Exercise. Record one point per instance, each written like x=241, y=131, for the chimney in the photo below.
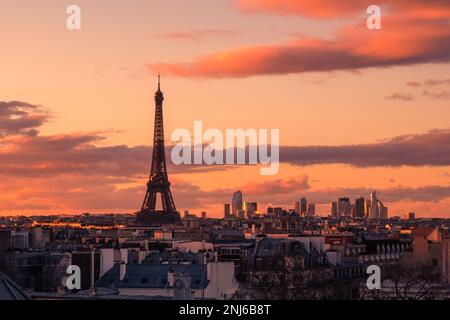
x=123, y=270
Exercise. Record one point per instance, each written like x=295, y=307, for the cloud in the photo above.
x=437, y=82
x=352, y=47
x=413, y=84
x=325, y=9
x=430, y=83
x=400, y=96
x=428, y=149
x=74, y=172
x=21, y=118
x=442, y=95
x=196, y=35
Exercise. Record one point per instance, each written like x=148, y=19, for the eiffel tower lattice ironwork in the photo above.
x=158, y=183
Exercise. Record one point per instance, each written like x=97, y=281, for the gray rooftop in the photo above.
x=153, y=276
x=9, y=290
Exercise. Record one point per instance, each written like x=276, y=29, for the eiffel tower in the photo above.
x=158, y=183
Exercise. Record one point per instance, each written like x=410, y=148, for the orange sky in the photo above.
x=356, y=109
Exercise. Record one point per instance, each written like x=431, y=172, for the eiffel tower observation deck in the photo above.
x=158, y=185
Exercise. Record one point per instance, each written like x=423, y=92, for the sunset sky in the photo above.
x=357, y=109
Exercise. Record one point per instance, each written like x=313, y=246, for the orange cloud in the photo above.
x=407, y=37
x=326, y=9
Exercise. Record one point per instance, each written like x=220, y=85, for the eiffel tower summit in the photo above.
x=158, y=182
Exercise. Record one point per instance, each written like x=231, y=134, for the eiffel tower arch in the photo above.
x=158, y=185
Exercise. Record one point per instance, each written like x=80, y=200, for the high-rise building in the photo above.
x=236, y=203
x=226, y=210
x=203, y=215
x=359, y=208
x=410, y=216
x=297, y=207
x=344, y=207
x=367, y=205
x=384, y=213
x=311, y=210
x=303, y=206
x=377, y=210
x=250, y=208
x=333, y=209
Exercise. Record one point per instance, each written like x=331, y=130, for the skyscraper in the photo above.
x=236, y=203
x=303, y=206
x=311, y=210
x=250, y=208
x=333, y=209
x=226, y=210
x=344, y=207
x=297, y=207
x=359, y=208
x=377, y=210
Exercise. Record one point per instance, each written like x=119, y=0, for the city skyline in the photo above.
x=76, y=123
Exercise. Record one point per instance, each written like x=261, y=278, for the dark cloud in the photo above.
x=21, y=118
x=437, y=82
x=442, y=95
x=428, y=149
x=413, y=84
x=400, y=96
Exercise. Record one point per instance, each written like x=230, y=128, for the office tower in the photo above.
x=236, y=203
x=255, y=206
x=344, y=207
x=367, y=205
x=278, y=211
x=384, y=212
x=297, y=207
x=311, y=210
x=359, y=208
x=203, y=215
x=410, y=216
x=303, y=206
x=333, y=209
x=241, y=214
x=377, y=210
x=226, y=210
x=250, y=208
